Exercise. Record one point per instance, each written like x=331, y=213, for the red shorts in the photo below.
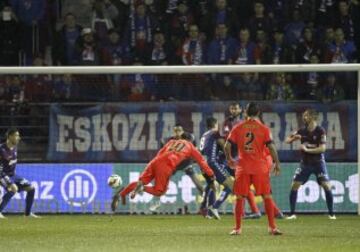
x=244, y=181
x=160, y=172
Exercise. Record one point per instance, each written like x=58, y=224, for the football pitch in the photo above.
x=175, y=233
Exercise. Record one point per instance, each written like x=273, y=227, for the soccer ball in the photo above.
x=114, y=181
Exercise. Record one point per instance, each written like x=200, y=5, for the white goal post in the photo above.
x=200, y=69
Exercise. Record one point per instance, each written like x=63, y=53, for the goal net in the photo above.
x=79, y=125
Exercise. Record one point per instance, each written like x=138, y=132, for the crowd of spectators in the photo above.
x=178, y=32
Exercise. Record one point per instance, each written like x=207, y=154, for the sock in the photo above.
x=329, y=201
x=128, y=189
x=293, y=198
x=5, y=200
x=29, y=201
x=211, y=197
x=204, y=202
x=153, y=191
x=269, y=209
x=276, y=209
x=239, y=209
x=251, y=200
x=223, y=196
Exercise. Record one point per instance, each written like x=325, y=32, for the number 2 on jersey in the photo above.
x=248, y=144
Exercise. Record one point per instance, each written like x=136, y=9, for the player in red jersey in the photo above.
x=162, y=167
x=251, y=138
x=231, y=121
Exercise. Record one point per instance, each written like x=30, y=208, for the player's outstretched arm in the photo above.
x=195, y=154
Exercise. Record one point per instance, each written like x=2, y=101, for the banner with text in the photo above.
x=132, y=132
x=65, y=188
x=82, y=188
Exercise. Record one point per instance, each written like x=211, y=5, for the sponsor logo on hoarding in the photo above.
x=78, y=187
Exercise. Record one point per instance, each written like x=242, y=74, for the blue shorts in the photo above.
x=20, y=182
x=220, y=170
x=303, y=173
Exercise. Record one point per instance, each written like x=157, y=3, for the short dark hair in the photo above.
x=188, y=137
x=10, y=132
x=210, y=122
x=233, y=104
x=252, y=109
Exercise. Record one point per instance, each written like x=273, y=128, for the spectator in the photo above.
x=345, y=20
x=281, y=53
x=341, y=51
x=201, y=8
x=102, y=19
x=140, y=87
x=325, y=12
x=277, y=12
x=245, y=49
x=10, y=38
x=306, y=47
x=328, y=37
x=293, y=29
x=280, y=90
x=4, y=92
x=64, y=88
x=259, y=21
x=82, y=9
x=115, y=51
x=180, y=23
x=306, y=8
x=160, y=52
x=262, y=51
x=31, y=15
x=308, y=82
x=140, y=28
x=249, y=87
x=16, y=89
x=330, y=91
x=244, y=10
x=192, y=51
x=87, y=48
x=221, y=48
x=221, y=14
x=64, y=50
x=38, y=86
x=223, y=88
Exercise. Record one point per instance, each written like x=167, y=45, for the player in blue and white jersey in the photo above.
x=211, y=147
x=9, y=180
x=313, y=147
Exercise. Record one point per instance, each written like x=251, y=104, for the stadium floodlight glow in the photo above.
x=88, y=70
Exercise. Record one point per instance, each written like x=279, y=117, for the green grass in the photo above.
x=175, y=233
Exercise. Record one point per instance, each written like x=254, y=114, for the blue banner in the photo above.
x=65, y=188
x=132, y=132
